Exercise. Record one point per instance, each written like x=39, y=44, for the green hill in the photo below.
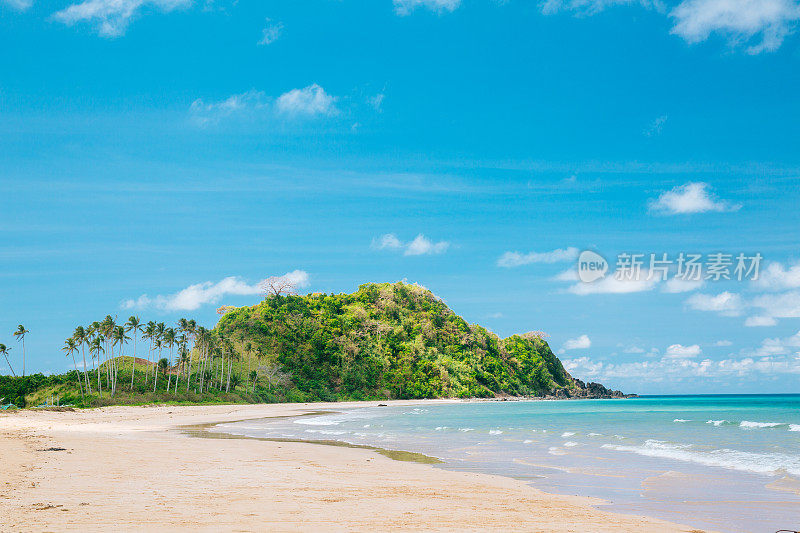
x=394, y=341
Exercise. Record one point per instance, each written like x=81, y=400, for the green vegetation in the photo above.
x=383, y=341
x=389, y=341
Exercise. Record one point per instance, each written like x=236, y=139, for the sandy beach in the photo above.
x=138, y=468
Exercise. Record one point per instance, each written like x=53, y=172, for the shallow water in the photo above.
x=728, y=463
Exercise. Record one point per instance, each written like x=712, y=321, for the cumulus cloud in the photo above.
x=776, y=277
x=578, y=343
x=271, y=32
x=112, y=17
x=208, y=292
x=724, y=303
x=309, y=101
x=723, y=342
x=515, y=259
x=679, y=351
x=690, y=198
x=421, y=245
x=760, y=25
x=405, y=7
x=786, y=305
x=778, y=346
x=759, y=321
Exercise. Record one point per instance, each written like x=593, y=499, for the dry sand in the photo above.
x=136, y=469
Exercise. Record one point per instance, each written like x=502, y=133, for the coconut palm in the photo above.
x=163, y=365
x=118, y=339
x=70, y=347
x=169, y=342
x=135, y=326
x=158, y=344
x=149, y=334
x=248, y=348
x=96, y=348
x=20, y=335
x=4, y=350
x=81, y=339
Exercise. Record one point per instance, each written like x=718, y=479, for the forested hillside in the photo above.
x=392, y=340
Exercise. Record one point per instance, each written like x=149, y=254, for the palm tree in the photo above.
x=169, y=341
x=20, y=335
x=96, y=348
x=163, y=365
x=4, y=351
x=135, y=326
x=70, y=348
x=158, y=344
x=118, y=338
x=254, y=378
x=81, y=338
x=149, y=334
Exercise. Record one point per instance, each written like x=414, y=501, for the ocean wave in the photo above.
x=595, y=434
x=326, y=432
x=716, y=422
x=495, y=432
x=570, y=443
x=555, y=450
x=758, y=463
x=527, y=441
x=567, y=434
x=794, y=427
x=746, y=424
x=466, y=429
x=681, y=420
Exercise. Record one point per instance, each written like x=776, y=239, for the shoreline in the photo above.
x=140, y=468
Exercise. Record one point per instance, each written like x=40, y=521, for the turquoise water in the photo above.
x=728, y=463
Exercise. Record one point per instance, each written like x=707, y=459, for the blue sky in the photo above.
x=161, y=157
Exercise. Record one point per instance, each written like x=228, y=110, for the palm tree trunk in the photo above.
x=85, y=375
x=133, y=361
x=23, y=356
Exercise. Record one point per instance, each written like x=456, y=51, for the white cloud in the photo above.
x=690, y=198
x=20, y=5
x=679, y=351
x=270, y=33
x=112, y=17
x=633, y=349
x=579, y=343
x=211, y=112
x=678, y=285
x=776, y=277
x=591, y=7
x=421, y=245
x=724, y=303
x=612, y=285
x=405, y=7
x=760, y=24
x=786, y=305
x=199, y=294
x=656, y=126
x=515, y=259
x=759, y=321
x=309, y=101
x=723, y=342
x=778, y=346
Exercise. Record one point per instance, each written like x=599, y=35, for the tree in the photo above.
x=118, y=339
x=277, y=286
x=82, y=339
x=253, y=378
x=135, y=326
x=20, y=335
x=158, y=344
x=163, y=365
x=96, y=348
x=4, y=350
x=70, y=347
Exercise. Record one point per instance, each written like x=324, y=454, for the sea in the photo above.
x=726, y=463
